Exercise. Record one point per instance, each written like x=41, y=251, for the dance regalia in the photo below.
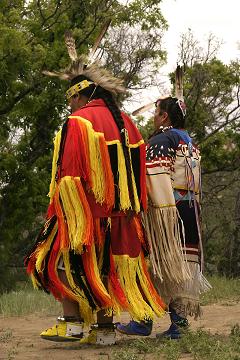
x=172, y=221
x=93, y=226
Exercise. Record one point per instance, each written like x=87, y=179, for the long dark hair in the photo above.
x=97, y=92
x=175, y=109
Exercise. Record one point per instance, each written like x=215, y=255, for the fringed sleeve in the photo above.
x=162, y=222
x=56, y=142
x=83, y=164
x=86, y=156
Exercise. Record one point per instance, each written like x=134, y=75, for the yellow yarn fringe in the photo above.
x=97, y=165
x=74, y=212
x=43, y=249
x=125, y=203
x=36, y=284
x=57, y=142
x=73, y=290
x=127, y=268
x=84, y=306
x=96, y=271
x=116, y=309
x=98, y=181
x=143, y=281
x=135, y=194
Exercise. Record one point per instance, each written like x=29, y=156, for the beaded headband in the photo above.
x=73, y=90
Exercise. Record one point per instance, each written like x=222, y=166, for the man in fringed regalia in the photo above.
x=172, y=221
x=90, y=254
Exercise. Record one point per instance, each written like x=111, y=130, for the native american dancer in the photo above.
x=172, y=221
x=90, y=254
x=174, y=185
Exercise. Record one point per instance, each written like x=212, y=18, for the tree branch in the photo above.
x=8, y=107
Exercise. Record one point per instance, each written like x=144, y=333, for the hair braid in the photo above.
x=116, y=113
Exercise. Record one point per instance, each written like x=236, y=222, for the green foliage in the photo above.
x=147, y=11
x=146, y=128
x=211, y=95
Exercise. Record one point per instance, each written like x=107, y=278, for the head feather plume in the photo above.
x=143, y=109
x=81, y=65
x=94, y=72
x=70, y=44
x=147, y=107
x=104, y=78
x=179, y=82
x=98, y=41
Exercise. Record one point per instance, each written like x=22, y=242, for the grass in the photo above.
x=223, y=290
x=199, y=345
x=27, y=301
x=5, y=335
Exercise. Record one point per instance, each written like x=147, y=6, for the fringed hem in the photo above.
x=185, y=307
x=88, y=290
x=185, y=296
x=163, y=227
x=135, y=285
x=197, y=284
x=205, y=285
x=129, y=284
x=129, y=287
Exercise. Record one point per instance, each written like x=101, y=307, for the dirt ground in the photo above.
x=19, y=336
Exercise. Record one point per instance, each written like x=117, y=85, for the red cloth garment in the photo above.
x=93, y=223
x=124, y=237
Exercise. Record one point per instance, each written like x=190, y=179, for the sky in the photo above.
x=203, y=17
x=219, y=17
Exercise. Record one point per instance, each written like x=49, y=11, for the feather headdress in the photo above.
x=179, y=83
x=88, y=67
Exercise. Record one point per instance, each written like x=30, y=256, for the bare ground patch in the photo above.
x=19, y=336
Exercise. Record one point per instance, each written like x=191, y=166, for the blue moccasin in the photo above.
x=135, y=328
